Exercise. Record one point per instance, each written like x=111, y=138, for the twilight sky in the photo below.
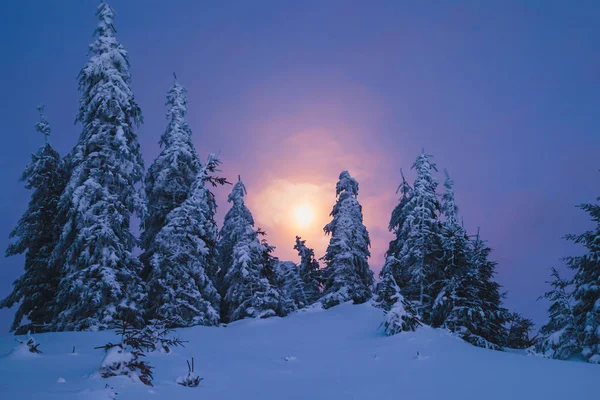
x=505, y=95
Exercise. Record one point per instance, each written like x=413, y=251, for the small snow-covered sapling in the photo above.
x=190, y=379
x=125, y=358
x=158, y=337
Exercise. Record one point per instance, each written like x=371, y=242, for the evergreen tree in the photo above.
x=586, y=295
x=487, y=318
x=181, y=283
x=454, y=274
x=392, y=271
x=399, y=213
x=400, y=317
x=99, y=273
x=556, y=336
x=246, y=290
x=347, y=273
x=36, y=235
x=309, y=271
x=285, y=289
x=420, y=245
x=290, y=286
x=170, y=177
x=235, y=224
x=519, y=332
x=471, y=301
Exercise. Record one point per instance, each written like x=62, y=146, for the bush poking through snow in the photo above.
x=400, y=319
x=125, y=358
x=190, y=379
x=110, y=392
x=30, y=344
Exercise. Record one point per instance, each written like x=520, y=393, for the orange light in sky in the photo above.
x=304, y=215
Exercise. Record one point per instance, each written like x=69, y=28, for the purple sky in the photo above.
x=505, y=95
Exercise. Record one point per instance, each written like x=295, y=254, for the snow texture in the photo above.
x=341, y=354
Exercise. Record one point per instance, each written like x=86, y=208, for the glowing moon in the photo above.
x=304, y=215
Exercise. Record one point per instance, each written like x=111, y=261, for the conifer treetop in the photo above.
x=106, y=16
x=346, y=184
x=404, y=188
x=106, y=75
x=237, y=193
x=43, y=126
x=177, y=127
x=423, y=165
x=449, y=207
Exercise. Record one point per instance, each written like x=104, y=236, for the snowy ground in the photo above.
x=338, y=354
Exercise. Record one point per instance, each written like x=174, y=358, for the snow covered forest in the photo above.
x=83, y=270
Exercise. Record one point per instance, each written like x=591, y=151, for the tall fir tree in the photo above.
x=309, y=271
x=170, y=177
x=451, y=291
x=347, y=273
x=245, y=287
x=181, y=284
x=420, y=246
x=556, y=338
x=99, y=273
x=586, y=294
x=36, y=235
x=392, y=271
x=486, y=316
x=235, y=224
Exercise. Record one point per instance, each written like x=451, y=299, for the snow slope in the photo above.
x=335, y=354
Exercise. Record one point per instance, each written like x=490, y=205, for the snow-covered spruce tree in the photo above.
x=286, y=287
x=181, y=284
x=392, y=272
x=309, y=271
x=170, y=177
x=246, y=290
x=485, y=326
x=36, y=235
x=556, y=339
x=291, y=286
x=454, y=261
x=400, y=317
x=519, y=331
x=235, y=224
x=420, y=246
x=347, y=274
x=100, y=274
x=586, y=294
